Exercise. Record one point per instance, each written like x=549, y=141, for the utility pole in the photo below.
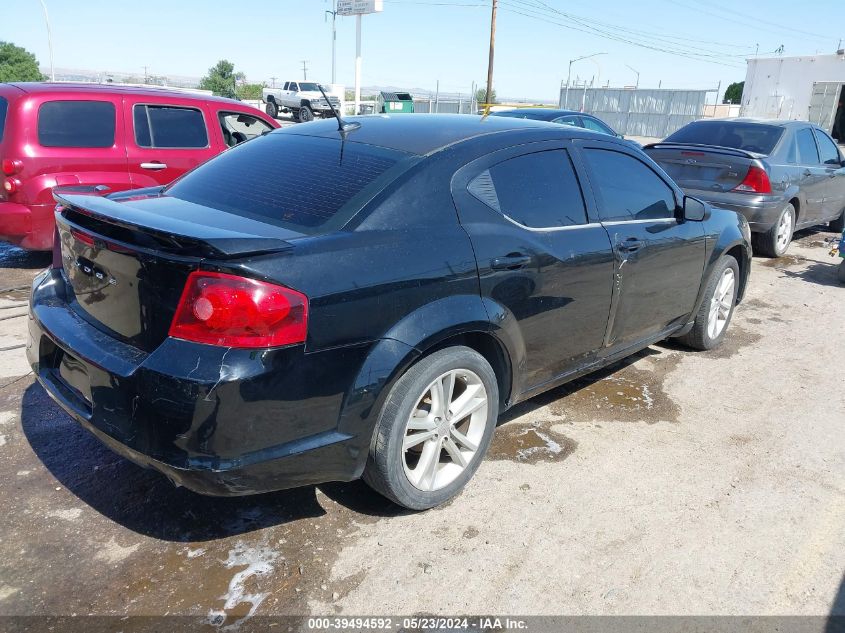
x=273, y=79
x=145, y=75
x=304, y=69
x=333, y=13
x=49, y=41
x=488, y=96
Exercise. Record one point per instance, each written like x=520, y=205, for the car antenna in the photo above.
x=342, y=126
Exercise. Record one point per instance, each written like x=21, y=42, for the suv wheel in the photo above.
x=305, y=114
x=775, y=241
x=717, y=307
x=434, y=429
x=272, y=109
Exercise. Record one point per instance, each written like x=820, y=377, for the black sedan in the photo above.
x=781, y=175
x=320, y=305
x=562, y=117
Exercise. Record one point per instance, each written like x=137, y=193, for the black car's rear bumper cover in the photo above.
x=218, y=421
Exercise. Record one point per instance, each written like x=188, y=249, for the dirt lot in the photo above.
x=676, y=483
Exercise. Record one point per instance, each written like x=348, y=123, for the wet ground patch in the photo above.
x=784, y=261
x=530, y=443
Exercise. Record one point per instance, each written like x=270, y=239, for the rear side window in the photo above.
x=169, y=127
x=4, y=106
x=629, y=189
x=808, y=153
x=595, y=126
x=76, y=124
x=828, y=150
x=538, y=190
x=751, y=137
x=308, y=184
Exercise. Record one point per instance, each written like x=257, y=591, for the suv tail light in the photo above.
x=231, y=311
x=756, y=181
x=11, y=185
x=10, y=167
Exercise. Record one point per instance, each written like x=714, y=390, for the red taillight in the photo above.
x=11, y=185
x=232, y=311
x=756, y=181
x=79, y=236
x=10, y=167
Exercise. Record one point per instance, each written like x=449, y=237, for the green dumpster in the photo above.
x=395, y=102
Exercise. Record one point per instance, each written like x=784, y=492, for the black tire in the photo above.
x=305, y=114
x=838, y=225
x=840, y=272
x=385, y=469
x=272, y=109
x=699, y=337
x=767, y=243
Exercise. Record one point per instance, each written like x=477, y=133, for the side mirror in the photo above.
x=694, y=209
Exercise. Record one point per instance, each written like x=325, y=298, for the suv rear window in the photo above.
x=751, y=137
x=4, y=106
x=304, y=183
x=76, y=124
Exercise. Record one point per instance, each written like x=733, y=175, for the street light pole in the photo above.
x=49, y=41
x=334, y=40
x=638, y=76
x=569, y=74
x=488, y=97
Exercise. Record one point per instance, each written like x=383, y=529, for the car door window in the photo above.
x=239, y=127
x=287, y=85
x=828, y=150
x=595, y=126
x=808, y=153
x=629, y=189
x=569, y=120
x=172, y=127
x=538, y=190
x=293, y=86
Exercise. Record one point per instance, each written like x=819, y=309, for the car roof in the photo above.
x=424, y=134
x=546, y=114
x=46, y=87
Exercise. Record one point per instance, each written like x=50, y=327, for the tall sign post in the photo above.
x=358, y=8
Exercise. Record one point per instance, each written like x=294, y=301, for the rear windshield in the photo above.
x=304, y=183
x=4, y=106
x=751, y=137
x=523, y=114
x=76, y=124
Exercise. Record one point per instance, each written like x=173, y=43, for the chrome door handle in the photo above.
x=155, y=166
x=513, y=261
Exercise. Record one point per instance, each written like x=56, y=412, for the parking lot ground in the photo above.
x=673, y=483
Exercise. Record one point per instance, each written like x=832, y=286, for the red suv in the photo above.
x=122, y=137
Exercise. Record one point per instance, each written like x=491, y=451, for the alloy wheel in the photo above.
x=445, y=429
x=784, y=231
x=721, y=304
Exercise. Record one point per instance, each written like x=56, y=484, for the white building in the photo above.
x=808, y=88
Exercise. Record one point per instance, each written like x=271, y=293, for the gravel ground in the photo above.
x=673, y=483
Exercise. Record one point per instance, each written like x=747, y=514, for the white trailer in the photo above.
x=808, y=88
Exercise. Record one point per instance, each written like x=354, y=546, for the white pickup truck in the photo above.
x=302, y=98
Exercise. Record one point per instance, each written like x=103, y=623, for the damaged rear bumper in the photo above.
x=219, y=421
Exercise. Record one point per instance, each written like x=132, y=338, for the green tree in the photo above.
x=222, y=79
x=17, y=64
x=250, y=91
x=733, y=94
x=481, y=96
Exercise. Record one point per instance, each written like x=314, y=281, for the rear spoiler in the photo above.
x=165, y=233
x=716, y=149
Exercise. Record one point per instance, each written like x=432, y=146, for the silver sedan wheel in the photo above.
x=784, y=232
x=721, y=304
x=445, y=429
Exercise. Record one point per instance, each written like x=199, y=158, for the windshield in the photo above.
x=4, y=105
x=523, y=114
x=308, y=184
x=751, y=137
x=308, y=86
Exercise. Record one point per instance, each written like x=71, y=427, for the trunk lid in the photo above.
x=704, y=167
x=126, y=258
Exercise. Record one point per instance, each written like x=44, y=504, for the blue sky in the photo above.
x=413, y=43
